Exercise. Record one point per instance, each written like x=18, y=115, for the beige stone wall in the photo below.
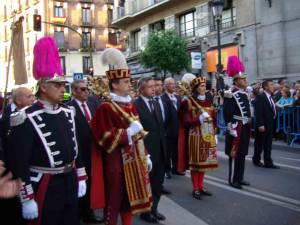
x=174, y=8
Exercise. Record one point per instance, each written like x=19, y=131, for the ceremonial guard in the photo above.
x=43, y=147
x=237, y=117
x=197, y=141
x=119, y=159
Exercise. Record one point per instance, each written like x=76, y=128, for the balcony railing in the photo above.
x=132, y=7
x=86, y=24
x=225, y=24
x=109, y=2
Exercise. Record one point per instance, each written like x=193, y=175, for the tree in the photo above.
x=165, y=52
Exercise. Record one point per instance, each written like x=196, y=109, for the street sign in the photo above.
x=78, y=76
x=196, y=60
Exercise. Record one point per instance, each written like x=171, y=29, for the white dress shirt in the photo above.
x=81, y=108
x=173, y=99
x=161, y=106
x=146, y=100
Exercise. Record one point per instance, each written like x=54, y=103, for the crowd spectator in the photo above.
x=297, y=98
x=286, y=98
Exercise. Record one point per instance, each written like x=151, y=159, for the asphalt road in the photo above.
x=272, y=199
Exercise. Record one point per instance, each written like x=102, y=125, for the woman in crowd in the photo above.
x=286, y=98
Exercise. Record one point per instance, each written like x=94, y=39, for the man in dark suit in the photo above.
x=265, y=114
x=84, y=114
x=22, y=97
x=172, y=123
x=151, y=119
x=165, y=116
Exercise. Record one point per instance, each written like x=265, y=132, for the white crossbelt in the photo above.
x=245, y=120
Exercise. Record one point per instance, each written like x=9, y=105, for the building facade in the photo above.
x=264, y=34
x=90, y=22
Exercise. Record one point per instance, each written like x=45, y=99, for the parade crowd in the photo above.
x=112, y=146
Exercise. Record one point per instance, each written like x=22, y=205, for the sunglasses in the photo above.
x=83, y=88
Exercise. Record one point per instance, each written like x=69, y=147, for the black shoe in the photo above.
x=245, y=183
x=92, y=220
x=165, y=191
x=271, y=166
x=168, y=175
x=236, y=185
x=158, y=216
x=148, y=217
x=197, y=194
x=205, y=192
x=258, y=164
x=175, y=172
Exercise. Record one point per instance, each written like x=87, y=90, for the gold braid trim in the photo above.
x=104, y=137
x=116, y=141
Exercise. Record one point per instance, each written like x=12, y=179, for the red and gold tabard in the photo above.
x=119, y=159
x=196, y=147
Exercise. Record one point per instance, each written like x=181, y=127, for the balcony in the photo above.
x=110, y=2
x=225, y=24
x=137, y=9
x=86, y=1
x=86, y=24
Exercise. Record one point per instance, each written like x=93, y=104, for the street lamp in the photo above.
x=217, y=9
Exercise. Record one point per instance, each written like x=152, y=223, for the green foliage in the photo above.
x=165, y=52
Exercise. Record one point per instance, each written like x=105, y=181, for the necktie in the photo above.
x=273, y=106
x=161, y=106
x=86, y=114
x=174, y=101
x=154, y=110
x=151, y=105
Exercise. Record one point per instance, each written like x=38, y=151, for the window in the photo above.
x=27, y=45
x=86, y=63
x=86, y=15
x=5, y=12
x=228, y=19
x=58, y=11
x=27, y=22
x=6, y=54
x=109, y=16
x=112, y=38
x=187, y=24
x=5, y=33
x=86, y=39
x=28, y=67
x=63, y=63
x=135, y=35
x=60, y=39
x=158, y=26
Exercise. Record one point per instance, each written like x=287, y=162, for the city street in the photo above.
x=272, y=199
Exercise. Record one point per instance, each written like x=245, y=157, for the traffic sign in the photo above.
x=78, y=76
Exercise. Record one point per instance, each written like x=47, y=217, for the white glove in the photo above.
x=203, y=116
x=134, y=128
x=149, y=163
x=30, y=210
x=216, y=139
x=232, y=130
x=81, y=188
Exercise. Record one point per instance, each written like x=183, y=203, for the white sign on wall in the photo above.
x=196, y=60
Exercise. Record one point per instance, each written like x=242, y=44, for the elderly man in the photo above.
x=172, y=102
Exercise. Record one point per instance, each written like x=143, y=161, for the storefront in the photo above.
x=212, y=57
